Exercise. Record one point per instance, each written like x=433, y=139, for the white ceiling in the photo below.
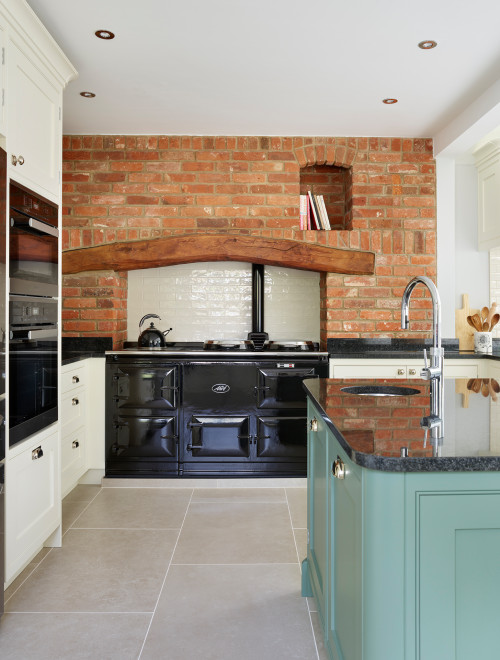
x=273, y=67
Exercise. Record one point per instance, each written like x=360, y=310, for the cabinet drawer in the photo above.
x=370, y=371
x=73, y=409
x=72, y=459
x=460, y=370
x=72, y=379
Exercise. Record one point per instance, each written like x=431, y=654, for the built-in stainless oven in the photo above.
x=33, y=244
x=32, y=365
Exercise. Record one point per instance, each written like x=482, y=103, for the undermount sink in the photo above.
x=380, y=390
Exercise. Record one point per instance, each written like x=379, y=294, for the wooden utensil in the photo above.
x=492, y=312
x=476, y=387
x=470, y=383
x=476, y=319
x=486, y=326
x=484, y=315
x=485, y=389
x=492, y=391
x=494, y=321
x=494, y=384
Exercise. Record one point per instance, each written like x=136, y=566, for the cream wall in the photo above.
x=213, y=300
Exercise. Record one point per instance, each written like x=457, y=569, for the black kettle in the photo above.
x=152, y=337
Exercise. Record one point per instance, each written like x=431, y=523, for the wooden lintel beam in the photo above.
x=192, y=248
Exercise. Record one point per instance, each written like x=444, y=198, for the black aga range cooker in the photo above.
x=222, y=408
x=211, y=412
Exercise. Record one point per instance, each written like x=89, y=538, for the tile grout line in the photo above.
x=165, y=576
x=81, y=512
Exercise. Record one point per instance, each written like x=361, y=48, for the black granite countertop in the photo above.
x=373, y=429
x=81, y=348
x=400, y=348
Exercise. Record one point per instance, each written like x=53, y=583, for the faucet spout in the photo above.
x=434, y=371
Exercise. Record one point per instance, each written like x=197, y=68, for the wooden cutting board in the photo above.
x=463, y=331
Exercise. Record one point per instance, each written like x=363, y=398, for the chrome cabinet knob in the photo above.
x=412, y=372
x=37, y=453
x=75, y=444
x=401, y=372
x=313, y=424
x=17, y=160
x=74, y=401
x=338, y=468
x=75, y=379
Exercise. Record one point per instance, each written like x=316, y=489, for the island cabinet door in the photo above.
x=318, y=513
x=458, y=575
x=345, y=625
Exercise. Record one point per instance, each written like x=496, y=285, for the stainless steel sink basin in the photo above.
x=380, y=390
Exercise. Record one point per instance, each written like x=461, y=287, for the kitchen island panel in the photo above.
x=412, y=557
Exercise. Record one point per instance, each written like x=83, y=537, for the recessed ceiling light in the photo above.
x=427, y=45
x=105, y=34
x=389, y=101
x=87, y=95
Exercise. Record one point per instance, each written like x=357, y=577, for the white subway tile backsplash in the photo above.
x=214, y=301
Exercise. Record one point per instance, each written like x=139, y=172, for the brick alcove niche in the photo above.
x=123, y=189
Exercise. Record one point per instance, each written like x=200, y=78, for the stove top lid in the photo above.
x=249, y=345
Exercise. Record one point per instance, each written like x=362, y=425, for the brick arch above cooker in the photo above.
x=192, y=248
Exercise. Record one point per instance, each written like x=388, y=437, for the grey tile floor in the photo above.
x=168, y=574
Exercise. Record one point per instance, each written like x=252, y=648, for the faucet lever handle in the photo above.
x=426, y=363
x=426, y=433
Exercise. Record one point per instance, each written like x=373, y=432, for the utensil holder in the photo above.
x=483, y=342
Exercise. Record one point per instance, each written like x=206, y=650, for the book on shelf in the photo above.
x=303, y=212
x=324, y=213
x=313, y=213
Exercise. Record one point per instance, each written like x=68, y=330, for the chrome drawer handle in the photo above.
x=75, y=379
x=313, y=424
x=37, y=453
x=75, y=444
x=338, y=468
x=74, y=401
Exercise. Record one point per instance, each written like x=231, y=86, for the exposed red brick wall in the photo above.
x=125, y=188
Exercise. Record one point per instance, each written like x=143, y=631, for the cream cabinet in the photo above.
x=32, y=499
x=73, y=420
x=34, y=74
x=399, y=368
x=487, y=160
x=34, y=125
x=82, y=423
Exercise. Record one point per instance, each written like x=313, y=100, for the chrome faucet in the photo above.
x=433, y=372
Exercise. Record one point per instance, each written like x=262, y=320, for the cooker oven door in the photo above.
x=142, y=445
x=218, y=437
x=281, y=386
x=146, y=389
x=282, y=437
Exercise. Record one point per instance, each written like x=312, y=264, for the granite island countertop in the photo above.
x=373, y=429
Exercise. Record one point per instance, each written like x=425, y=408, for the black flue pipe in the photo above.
x=257, y=298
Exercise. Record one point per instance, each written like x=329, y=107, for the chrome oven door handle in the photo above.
x=37, y=225
x=43, y=334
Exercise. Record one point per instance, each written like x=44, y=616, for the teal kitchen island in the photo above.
x=403, y=556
